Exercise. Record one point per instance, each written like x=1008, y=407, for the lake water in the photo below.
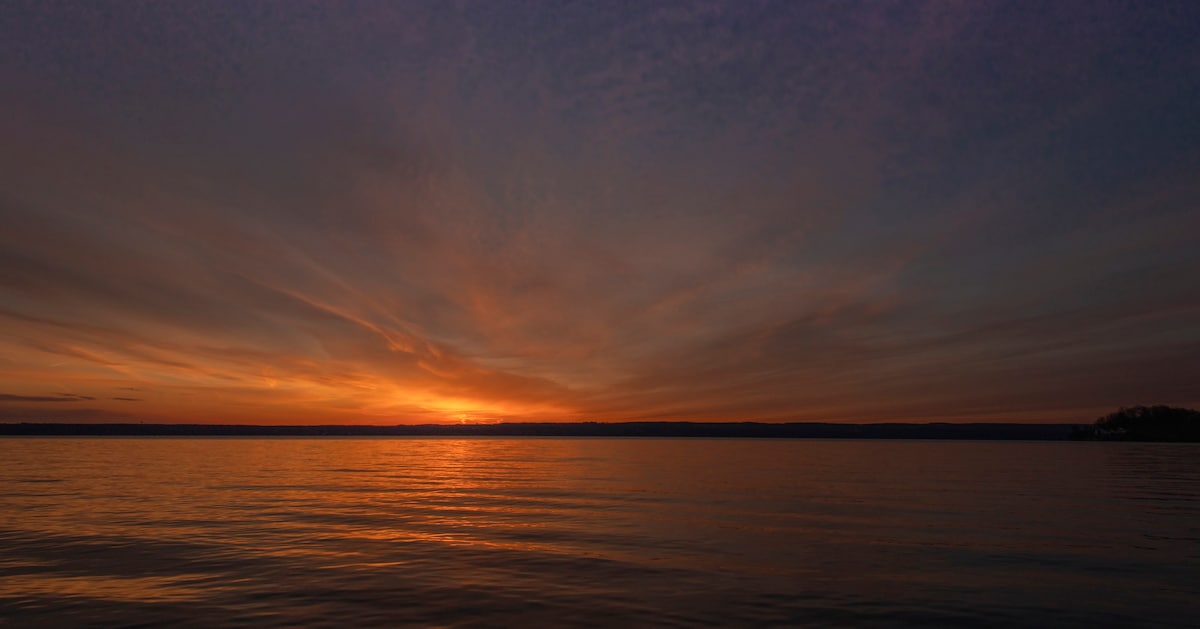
x=596, y=532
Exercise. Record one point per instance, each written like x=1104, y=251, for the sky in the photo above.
x=303, y=212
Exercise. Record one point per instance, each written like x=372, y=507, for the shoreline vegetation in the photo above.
x=1144, y=423
x=1138, y=423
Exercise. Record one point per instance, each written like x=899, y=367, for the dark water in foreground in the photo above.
x=519, y=532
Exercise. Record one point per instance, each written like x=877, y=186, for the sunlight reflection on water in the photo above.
x=360, y=532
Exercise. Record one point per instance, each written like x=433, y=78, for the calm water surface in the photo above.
x=604, y=532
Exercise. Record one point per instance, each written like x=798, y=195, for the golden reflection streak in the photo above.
x=131, y=589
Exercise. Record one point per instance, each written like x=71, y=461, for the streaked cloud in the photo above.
x=305, y=212
x=55, y=397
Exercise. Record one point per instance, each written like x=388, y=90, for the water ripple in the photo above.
x=595, y=532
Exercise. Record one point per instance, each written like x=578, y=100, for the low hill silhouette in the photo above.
x=581, y=429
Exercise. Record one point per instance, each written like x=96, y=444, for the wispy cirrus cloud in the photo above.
x=725, y=210
x=56, y=397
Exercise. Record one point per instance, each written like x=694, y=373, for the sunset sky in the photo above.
x=304, y=212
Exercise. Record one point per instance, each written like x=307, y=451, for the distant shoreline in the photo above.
x=807, y=430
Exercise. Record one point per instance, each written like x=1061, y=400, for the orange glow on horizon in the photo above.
x=713, y=212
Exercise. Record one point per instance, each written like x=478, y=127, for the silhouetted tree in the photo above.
x=1145, y=423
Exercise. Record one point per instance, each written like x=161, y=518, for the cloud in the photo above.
x=723, y=210
x=57, y=397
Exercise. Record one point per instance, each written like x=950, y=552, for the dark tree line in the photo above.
x=1144, y=423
